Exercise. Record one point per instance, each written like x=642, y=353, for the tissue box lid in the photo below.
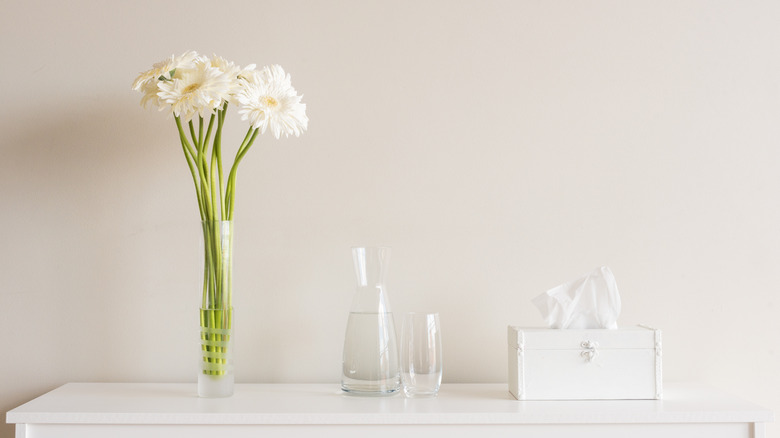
x=573, y=339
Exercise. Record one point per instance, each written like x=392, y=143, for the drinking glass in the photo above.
x=421, y=367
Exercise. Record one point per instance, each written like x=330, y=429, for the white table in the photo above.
x=120, y=410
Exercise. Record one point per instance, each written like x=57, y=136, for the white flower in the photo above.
x=199, y=90
x=232, y=70
x=147, y=81
x=269, y=100
x=150, y=90
x=224, y=65
x=246, y=71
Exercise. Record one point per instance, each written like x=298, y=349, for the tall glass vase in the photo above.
x=370, y=365
x=216, y=378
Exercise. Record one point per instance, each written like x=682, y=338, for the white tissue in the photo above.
x=590, y=302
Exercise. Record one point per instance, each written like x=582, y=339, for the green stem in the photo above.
x=217, y=149
x=215, y=197
x=208, y=130
x=200, y=130
x=203, y=171
x=194, y=137
x=189, y=155
x=231, y=184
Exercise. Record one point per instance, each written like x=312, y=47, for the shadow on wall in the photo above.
x=79, y=191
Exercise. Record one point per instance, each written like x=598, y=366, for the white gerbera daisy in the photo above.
x=246, y=71
x=199, y=90
x=268, y=99
x=150, y=90
x=224, y=65
x=147, y=81
x=232, y=70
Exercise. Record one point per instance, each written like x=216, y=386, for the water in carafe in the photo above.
x=370, y=365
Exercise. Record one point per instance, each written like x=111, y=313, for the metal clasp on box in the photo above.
x=589, y=351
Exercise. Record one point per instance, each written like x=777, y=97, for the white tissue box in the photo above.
x=596, y=364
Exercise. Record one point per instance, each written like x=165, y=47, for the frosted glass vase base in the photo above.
x=216, y=376
x=215, y=386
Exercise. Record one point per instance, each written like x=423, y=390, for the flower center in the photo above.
x=270, y=101
x=190, y=88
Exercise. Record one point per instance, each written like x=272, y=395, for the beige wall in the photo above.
x=500, y=148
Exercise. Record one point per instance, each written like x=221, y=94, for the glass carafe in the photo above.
x=370, y=365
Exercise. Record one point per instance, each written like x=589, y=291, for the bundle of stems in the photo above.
x=216, y=203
